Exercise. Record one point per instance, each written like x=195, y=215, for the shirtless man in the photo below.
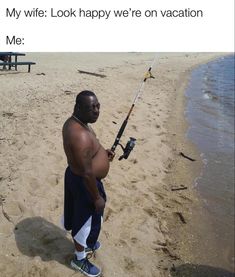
x=88, y=163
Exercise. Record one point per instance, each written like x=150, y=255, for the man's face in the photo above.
x=90, y=109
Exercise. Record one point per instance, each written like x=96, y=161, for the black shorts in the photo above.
x=79, y=212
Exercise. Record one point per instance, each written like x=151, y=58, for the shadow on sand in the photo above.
x=36, y=236
x=7, y=72
x=193, y=270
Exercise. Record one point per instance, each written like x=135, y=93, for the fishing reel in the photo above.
x=127, y=149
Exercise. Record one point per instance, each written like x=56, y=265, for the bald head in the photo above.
x=83, y=95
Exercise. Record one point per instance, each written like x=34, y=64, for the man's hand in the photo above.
x=110, y=154
x=99, y=204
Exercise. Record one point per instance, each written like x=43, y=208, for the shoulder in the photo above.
x=76, y=135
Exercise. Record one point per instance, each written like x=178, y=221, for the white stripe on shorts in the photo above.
x=83, y=233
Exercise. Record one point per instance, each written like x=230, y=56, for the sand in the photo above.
x=139, y=234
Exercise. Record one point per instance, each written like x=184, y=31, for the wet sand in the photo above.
x=142, y=231
x=212, y=224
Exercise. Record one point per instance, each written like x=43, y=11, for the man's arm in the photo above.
x=82, y=151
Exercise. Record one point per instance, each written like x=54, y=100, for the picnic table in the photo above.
x=10, y=59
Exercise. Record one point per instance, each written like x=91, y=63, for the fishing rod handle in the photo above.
x=120, y=132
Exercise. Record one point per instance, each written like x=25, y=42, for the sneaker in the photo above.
x=85, y=267
x=96, y=247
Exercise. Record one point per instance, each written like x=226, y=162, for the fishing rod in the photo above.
x=131, y=143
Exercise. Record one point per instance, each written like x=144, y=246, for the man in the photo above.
x=88, y=163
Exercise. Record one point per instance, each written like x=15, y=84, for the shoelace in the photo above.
x=86, y=265
x=91, y=254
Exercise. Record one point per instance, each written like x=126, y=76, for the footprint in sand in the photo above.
x=37, y=271
x=34, y=183
x=151, y=212
x=134, y=127
x=54, y=205
x=163, y=227
x=134, y=240
x=7, y=114
x=177, y=201
x=134, y=161
x=108, y=213
x=129, y=264
x=22, y=157
x=141, y=177
x=53, y=180
x=186, y=198
x=122, y=243
x=142, y=141
x=160, y=241
x=159, y=195
x=13, y=208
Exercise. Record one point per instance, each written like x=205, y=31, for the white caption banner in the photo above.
x=115, y=26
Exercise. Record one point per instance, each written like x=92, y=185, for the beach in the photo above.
x=145, y=220
x=210, y=113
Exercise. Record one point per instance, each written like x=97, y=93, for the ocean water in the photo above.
x=210, y=113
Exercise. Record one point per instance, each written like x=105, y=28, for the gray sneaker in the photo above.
x=86, y=267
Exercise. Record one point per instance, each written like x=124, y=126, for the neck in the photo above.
x=78, y=118
x=81, y=123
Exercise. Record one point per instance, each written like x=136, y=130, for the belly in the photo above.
x=100, y=164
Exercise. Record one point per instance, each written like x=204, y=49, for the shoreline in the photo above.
x=182, y=172
x=140, y=231
x=186, y=237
